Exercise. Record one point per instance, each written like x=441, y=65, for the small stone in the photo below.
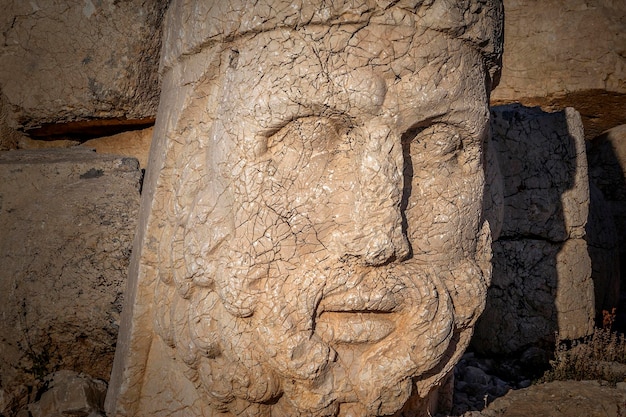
x=476, y=375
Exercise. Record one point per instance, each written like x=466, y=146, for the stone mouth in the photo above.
x=354, y=327
x=363, y=311
x=363, y=299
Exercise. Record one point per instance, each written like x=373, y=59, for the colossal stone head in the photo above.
x=314, y=243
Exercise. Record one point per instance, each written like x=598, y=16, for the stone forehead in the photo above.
x=194, y=25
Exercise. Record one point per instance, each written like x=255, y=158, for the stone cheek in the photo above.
x=312, y=242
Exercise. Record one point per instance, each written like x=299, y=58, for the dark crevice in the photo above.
x=88, y=129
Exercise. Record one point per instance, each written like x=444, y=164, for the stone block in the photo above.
x=69, y=393
x=541, y=282
x=577, y=59
x=68, y=61
x=135, y=143
x=539, y=289
x=544, y=168
x=68, y=219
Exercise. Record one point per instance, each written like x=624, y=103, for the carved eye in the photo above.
x=438, y=142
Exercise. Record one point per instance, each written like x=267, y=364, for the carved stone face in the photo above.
x=331, y=258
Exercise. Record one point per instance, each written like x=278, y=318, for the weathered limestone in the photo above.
x=9, y=138
x=541, y=266
x=311, y=240
x=78, y=62
x=567, y=53
x=67, y=218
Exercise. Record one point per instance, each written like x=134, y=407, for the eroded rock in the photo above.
x=68, y=393
x=70, y=62
x=560, y=399
x=135, y=144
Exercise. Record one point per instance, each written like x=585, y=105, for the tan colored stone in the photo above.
x=25, y=142
x=134, y=144
x=9, y=138
x=567, y=53
x=67, y=218
x=66, y=61
x=311, y=239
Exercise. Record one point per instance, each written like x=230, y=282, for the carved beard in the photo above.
x=308, y=335
x=297, y=359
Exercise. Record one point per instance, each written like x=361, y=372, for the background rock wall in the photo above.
x=541, y=282
x=67, y=219
x=566, y=53
x=80, y=67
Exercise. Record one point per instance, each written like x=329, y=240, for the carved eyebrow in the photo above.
x=275, y=121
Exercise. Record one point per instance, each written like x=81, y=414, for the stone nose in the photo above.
x=378, y=236
x=383, y=244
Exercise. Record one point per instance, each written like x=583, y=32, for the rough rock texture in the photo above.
x=311, y=239
x=607, y=169
x=567, y=53
x=602, y=238
x=560, y=399
x=67, y=219
x=75, y=61
x=9, y=137
x=68, y=393
x=133, y=143
x=480, y=380
x=541, y=266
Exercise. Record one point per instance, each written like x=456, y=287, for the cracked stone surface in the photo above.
x=68, y=219
x=311, y=241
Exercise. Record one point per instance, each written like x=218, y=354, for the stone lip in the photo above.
x=359, y=299
x=354, y=327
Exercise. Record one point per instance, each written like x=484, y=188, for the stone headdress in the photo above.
x=477, y=22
